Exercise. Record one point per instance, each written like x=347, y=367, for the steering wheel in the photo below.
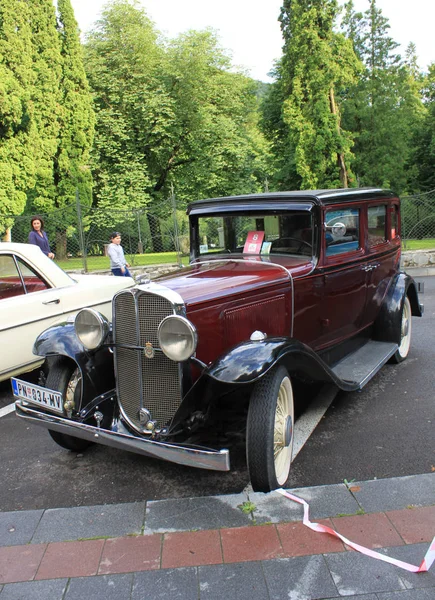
x=300, y=243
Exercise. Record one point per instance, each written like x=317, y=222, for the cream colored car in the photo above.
x=36, y=293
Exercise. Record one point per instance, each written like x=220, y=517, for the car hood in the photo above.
x=217, y=279
x=106, y=282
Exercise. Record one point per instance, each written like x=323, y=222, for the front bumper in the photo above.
x=202, y=458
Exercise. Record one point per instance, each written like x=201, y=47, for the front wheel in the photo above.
x=64, y=377
x=405, y=333
x=269, y=431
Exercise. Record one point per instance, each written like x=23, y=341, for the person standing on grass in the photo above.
x=118, y=264
x=38, y=237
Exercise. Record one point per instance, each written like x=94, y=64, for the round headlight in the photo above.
x=91, y=328
x=177, y=338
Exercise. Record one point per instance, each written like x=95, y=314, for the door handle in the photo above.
x=55, y=301
x=368, y=268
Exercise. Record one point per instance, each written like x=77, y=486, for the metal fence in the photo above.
x=418, y=218
x=77, y=231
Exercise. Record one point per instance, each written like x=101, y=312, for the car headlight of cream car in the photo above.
x=91, y=328
x=177, y=338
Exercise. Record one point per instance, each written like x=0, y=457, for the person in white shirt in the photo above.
x=118, y=264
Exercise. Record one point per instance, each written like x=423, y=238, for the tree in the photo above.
x=122, y=62
x=423, y=157
x=17, y=131
x=45, y=100
x=384, y=107
x=77, y=120
x=216, y=115
x=168, y=113
x=284, y=175
x=317, y=65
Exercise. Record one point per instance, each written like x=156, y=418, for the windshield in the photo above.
x=256, y=233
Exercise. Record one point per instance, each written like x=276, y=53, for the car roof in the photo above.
x=300, y=198
x=32, y=253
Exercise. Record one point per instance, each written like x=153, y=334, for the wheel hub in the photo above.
x=288, y=431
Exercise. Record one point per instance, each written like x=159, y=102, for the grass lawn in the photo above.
x=100, y=263
x=426, y=244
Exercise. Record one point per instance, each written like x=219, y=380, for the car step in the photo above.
x=358, y=368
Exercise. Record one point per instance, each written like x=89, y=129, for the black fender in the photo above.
x=387, y=325
x=249, y=361
x=96, y=367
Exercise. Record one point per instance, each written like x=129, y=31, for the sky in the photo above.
x=249, y=29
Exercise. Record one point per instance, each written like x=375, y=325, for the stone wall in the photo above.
x=418, y=258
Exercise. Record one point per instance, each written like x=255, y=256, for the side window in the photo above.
x=342, y=231
x=377, y=223
x=10, y=281
x=32, y=280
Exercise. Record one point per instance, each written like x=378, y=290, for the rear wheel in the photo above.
x=65, y=377
x=269, y=431
x=405, y=333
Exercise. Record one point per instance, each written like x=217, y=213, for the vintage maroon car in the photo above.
x=282, y=287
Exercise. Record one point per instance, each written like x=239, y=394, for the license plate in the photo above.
x=36, y=394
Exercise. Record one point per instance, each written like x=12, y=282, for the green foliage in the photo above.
x=169, y=113
x=17, y=130
x=45, y=99
x=384, y=108
x=122, y=62
x=175, y=114
x=72, y=169
x=46, y=110
x=422, y=159
x=317, y=65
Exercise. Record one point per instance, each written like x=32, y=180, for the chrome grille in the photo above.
x=153, y=384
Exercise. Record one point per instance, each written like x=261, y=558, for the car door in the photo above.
x=344, y=275
x=28, y=306
x=383, y=255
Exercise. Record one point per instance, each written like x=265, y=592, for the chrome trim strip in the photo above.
x=161, y=290
x=201, y=458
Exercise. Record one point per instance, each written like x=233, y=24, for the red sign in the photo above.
x=253, y=242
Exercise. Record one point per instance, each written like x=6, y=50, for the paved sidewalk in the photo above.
x=247, y=546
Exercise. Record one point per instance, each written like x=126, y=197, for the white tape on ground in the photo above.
x=424, y=566
x=7, y=409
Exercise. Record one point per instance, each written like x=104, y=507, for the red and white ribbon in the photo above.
x=425, y=565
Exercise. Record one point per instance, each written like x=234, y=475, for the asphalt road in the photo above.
x=386, y=430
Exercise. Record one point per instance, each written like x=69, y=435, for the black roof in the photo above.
x=271, y=199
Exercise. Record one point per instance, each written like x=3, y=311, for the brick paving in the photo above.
x=261, y=559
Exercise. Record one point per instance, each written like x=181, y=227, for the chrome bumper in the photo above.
x=215, y=460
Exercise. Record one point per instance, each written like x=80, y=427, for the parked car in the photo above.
x=282, y=288
x=36, y=293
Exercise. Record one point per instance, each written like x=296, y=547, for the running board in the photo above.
x=358, y=368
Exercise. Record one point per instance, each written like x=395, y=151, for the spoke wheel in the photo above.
x=269, y=431
x=65, y=378
x=405, y=333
